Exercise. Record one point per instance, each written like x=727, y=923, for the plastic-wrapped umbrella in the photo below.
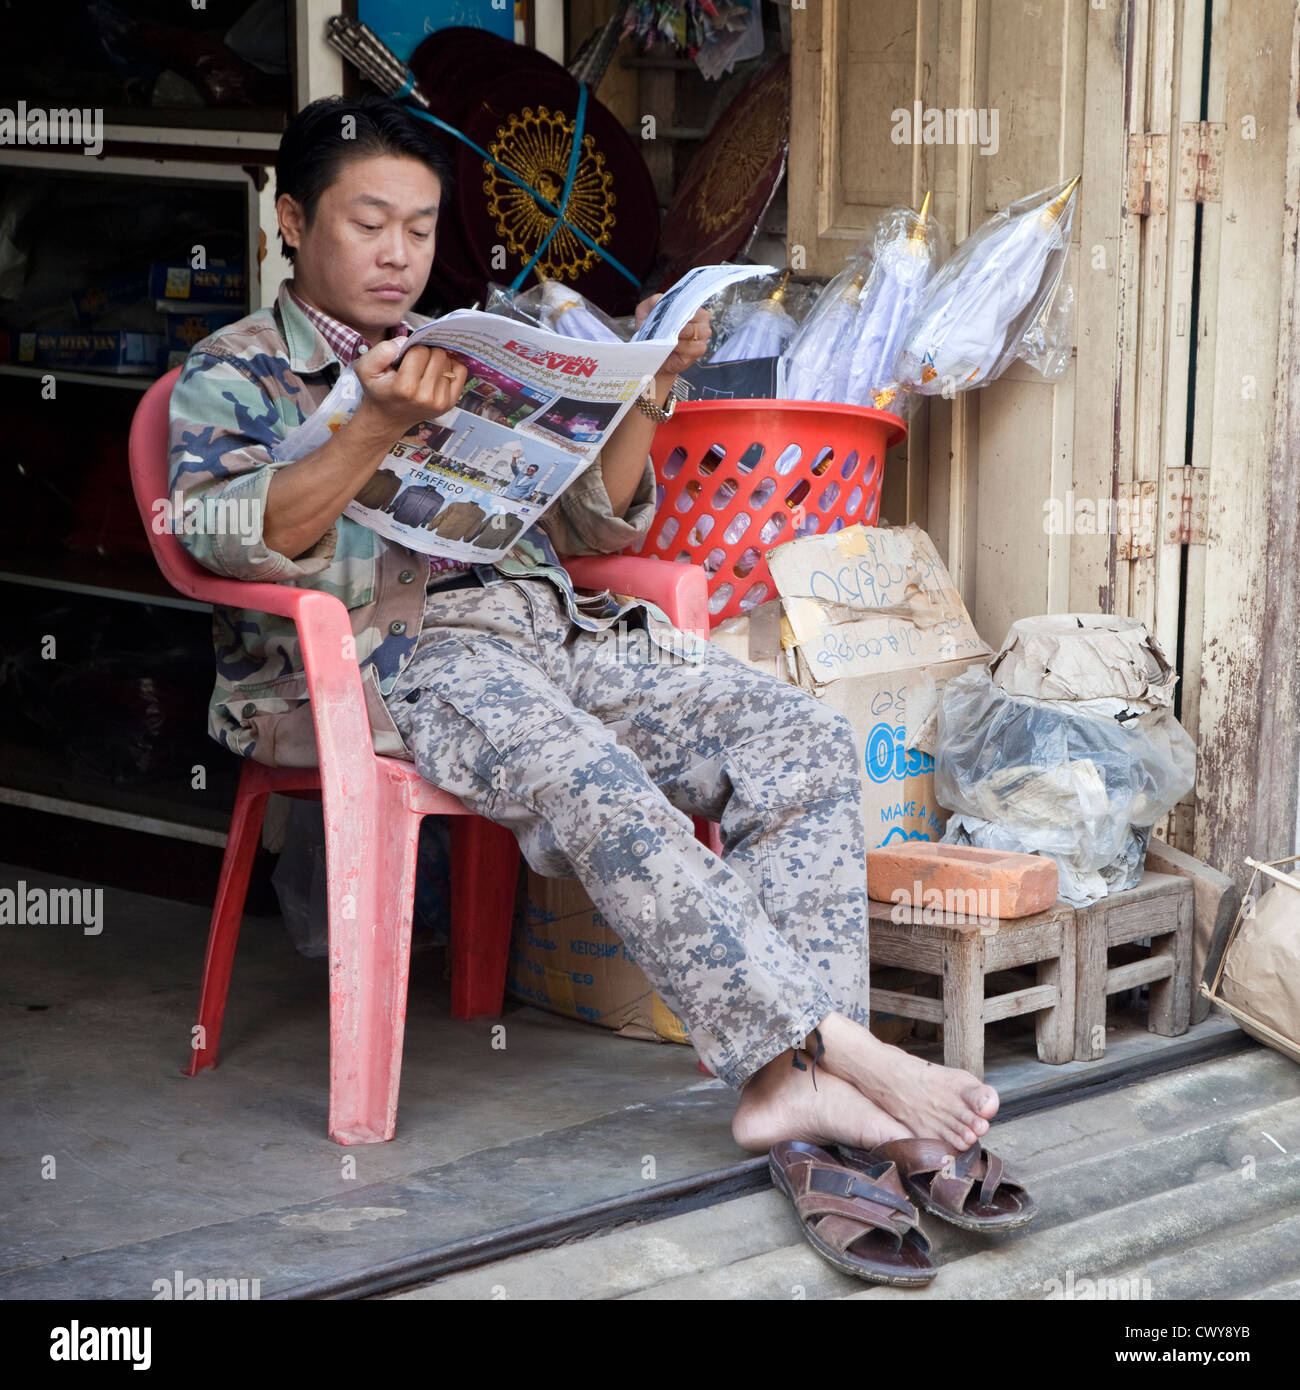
x=565, y=311
x=967, y=328
x=816, y=362
x=906, y=249
x=763, y=330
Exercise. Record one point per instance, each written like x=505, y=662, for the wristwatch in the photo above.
x=645, y=402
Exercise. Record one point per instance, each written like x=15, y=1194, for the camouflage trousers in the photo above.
x=595, y=760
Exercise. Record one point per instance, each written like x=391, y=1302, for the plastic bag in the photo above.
x=1048, y=341
x=972, y=321
x=300, y=882
x=907, y=246
x=751, y=329
x=1070, y=779
x=325, y=421
x=558, y=308
x=815, y=365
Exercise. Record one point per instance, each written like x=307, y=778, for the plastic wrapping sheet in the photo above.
x=1079, y=781
x=999, y=297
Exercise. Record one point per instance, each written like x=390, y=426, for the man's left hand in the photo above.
x=692, y=341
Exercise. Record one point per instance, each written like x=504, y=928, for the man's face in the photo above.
x=366, y=256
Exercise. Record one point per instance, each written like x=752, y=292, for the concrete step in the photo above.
x=1187, y=1180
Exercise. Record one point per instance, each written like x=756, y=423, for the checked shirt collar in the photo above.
x=347, y=343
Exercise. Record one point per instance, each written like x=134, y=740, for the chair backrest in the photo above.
x=148, y=451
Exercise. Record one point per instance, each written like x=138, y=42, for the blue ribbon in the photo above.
x=408, y=85
x=579, y=121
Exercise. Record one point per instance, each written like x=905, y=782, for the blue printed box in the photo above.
x=118, y=353
x=566, y=959
x=177, y=284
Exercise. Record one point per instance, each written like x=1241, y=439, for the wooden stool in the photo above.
x=1159, y=907
x=962, y=953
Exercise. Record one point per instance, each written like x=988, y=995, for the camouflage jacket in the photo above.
x=242, y=389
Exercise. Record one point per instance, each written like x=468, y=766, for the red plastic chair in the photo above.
x=373, y=807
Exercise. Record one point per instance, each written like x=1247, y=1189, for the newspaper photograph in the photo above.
x=536, y=410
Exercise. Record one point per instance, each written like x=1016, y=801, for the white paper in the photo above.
x=676, y=309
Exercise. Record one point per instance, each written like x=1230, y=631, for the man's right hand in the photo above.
x=425, y=384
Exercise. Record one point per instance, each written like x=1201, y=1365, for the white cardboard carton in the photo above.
x=876, y=626
x=868, y=600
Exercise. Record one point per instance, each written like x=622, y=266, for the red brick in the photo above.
x=1006, y=884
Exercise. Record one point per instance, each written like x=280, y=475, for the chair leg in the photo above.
x=370, y=856
x=709, y=833
x=485, y=868
x=227, y=914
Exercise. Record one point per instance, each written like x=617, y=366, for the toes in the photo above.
x=984, y=1101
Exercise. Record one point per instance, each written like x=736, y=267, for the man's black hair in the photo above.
x=320, y=139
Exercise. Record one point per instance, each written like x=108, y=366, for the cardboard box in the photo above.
x=177, y=285
x=111, y=294
x=898, y=801
x=567, y=959
x=875, y=627
x=868, y=600
x=117, y=352
x=896, y=629
x=869, y=622
x=183, y=330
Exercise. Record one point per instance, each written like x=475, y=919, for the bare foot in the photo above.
x=934, y=1102
x=779, y=1102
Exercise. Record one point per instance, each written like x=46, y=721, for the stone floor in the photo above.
x=118, y=1170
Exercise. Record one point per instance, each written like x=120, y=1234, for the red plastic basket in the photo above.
x=736, y=478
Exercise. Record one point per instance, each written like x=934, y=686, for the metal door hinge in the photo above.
x=1200, y=161
x=1148, y=174
x=1187, y=505
x=1135, y=529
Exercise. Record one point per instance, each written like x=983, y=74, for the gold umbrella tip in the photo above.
x=1058, y=203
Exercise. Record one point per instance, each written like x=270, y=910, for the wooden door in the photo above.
x=1178, y=412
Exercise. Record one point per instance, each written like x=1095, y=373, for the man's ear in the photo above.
x=289, y=216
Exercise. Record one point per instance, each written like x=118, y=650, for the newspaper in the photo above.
x=536, y=410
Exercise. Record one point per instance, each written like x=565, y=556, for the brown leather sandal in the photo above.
x=1000, y=1204
x=857, y=1218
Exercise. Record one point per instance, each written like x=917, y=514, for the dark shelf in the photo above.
x=131, y=579
x=48, y=773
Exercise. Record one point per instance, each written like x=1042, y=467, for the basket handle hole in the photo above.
x=672, y=465
x=825, y=458
x=751, y=458
x=711, y=459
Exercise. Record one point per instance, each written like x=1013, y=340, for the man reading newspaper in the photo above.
x=497, y=680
